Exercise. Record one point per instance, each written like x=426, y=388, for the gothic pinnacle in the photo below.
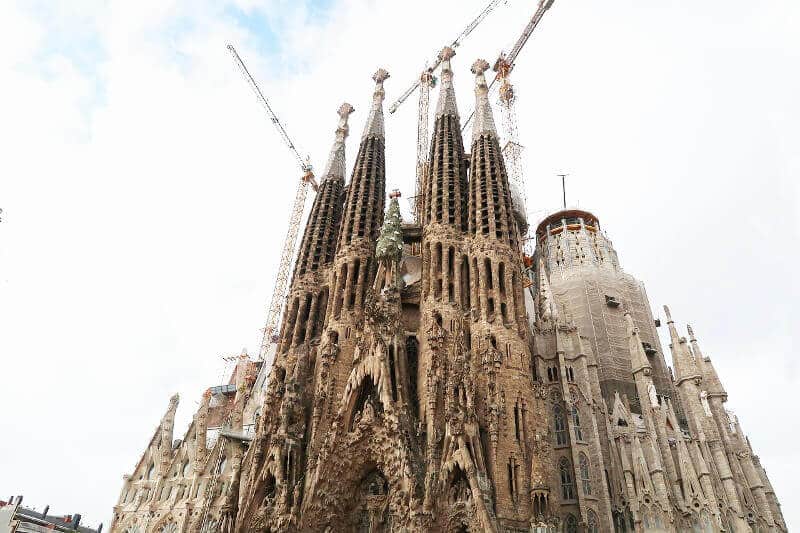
x=682, y=359
x=336, y=161
x=483, y=123
x=374, y=126
x=638, y=356
x=710, y=378
x=447, y=95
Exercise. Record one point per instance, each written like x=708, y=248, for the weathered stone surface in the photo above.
x=438, y=382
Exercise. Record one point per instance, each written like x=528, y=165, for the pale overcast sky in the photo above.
x=145, y=194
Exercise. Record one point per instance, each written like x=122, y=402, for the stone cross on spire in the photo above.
x=484, y=121
x=447, y=95
x=374, y=126
x=336, y=162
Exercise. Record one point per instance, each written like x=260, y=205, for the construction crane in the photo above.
x=424, y=82
x=289, y=242
x=512, y=150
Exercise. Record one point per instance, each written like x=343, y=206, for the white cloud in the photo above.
x=144, y=191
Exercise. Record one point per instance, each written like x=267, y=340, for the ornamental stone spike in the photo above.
x=336, y=160
x=374, y=126
x=447, y=95
x=638, y=356
x=484, y=121
x=710, y=377
x=682, y=360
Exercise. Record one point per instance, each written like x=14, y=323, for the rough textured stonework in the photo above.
x=433, y=378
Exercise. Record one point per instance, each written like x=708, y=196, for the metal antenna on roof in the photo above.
x=563, y=188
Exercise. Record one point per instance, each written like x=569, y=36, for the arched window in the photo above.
x=567, y=486
x=585, y=479
x=576, y=423
x=571, y=524
x=560, y=425
x=592, y=523
x=619, y=522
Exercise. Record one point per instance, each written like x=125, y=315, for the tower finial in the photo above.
x=484, y=121
x=374, y=126
x=669, y=315
x=336, y=162
x=447, y=95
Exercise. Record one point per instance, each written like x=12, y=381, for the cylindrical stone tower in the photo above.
x=589, y=285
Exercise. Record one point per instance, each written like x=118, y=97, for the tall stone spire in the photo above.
x=483, y=123
x=447, y=95
x=445, y=182
x=490, y=207
x=319, y=237
x=682, y=359
x=335, y=168
x=363, y=209
x=374, y=126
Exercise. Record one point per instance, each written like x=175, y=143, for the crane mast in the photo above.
x=290, y=241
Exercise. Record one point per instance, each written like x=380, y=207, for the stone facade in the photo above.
x=192, y=484
x=433, y=378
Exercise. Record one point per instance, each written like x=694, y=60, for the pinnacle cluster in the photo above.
x=431, y=377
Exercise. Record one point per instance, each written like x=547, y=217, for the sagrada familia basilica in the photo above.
x=433, y=377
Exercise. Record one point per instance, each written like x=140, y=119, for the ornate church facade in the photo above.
x=432, y=377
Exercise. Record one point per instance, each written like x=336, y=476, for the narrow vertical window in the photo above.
x=576, y=423
x=586, y=481
x=567, y=486
x=592, y=524
x=560, y=426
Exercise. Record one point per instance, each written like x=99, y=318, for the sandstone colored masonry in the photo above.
x=433, y=378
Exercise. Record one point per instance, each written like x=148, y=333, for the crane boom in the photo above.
x=289, y=243
x=265, y=103
x=544, y=5
x=505, y=62
x=455, y=44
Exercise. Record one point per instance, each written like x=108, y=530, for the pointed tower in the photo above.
x=445, y=185
x=362, y=216
x=704, y=426
x=683, y=360
x=445, y=295
x=353, y=270
x=496, y=261
x=308, y=294
x=499, y=329
x=711, y=381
